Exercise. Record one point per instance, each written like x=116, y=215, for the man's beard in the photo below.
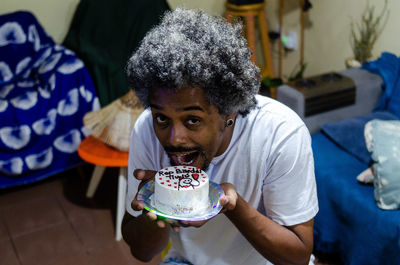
x=200, y=152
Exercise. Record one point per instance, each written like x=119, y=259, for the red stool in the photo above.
x=101, y=155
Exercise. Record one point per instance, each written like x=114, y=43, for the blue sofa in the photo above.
x=349, y=224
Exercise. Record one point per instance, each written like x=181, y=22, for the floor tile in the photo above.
x=92, y=218
x=3, y=230
x=7, y=253
x=46, y=187
x=79, y=205
x=73, y=198
x=54, y=245
x=76, y=259
x=31, y=215
x=95, y=229
x=112, y=254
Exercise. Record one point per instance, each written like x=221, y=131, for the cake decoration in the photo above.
x=181, y=190
x=146, y=195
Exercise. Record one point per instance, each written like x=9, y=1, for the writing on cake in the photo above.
x=181, y=190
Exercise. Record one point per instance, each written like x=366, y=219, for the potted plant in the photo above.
x=365, y=33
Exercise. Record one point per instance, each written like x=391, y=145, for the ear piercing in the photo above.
x=229, y=122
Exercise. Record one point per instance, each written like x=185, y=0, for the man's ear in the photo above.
x=231, y=116
x=230, y=120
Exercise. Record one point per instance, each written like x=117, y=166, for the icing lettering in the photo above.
x=182, y=177
x=191, y=170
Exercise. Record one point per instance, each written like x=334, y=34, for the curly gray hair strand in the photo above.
x=191, y=48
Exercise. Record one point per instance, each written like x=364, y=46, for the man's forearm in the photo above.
x=144, y=237
x=278, y=244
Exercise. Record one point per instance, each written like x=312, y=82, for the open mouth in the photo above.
x=184, y=159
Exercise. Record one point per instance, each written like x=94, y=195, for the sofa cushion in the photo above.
x=349, y=134
x=383, y=142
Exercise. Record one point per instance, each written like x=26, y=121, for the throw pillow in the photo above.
x=383, y=142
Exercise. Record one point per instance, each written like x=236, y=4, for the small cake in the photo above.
x=181, y=191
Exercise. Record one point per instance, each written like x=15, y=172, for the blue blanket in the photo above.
x=388, y=67
x=45, y=90
x=349, y=134
x=349, y=222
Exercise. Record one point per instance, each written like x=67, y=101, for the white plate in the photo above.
x=215, y=192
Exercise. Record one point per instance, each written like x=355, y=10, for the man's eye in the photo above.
x=161, y=119
x=193, y=121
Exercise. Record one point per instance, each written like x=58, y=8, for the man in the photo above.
x=193, y=73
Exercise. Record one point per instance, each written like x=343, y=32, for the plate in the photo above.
x=215, y=192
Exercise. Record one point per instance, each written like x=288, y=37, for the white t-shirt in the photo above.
x=269, y=161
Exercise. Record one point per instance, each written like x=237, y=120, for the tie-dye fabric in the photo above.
x=45, y=90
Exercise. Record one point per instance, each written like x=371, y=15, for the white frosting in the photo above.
x=181, y=190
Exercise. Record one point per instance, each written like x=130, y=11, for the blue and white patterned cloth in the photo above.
x=45, y=91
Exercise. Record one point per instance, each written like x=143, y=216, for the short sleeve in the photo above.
x=289, y=188
x=143, y=153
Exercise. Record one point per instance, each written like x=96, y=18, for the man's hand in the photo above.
x=145, y=234
x=277, y=243
x=145, y=176
x=228, y=201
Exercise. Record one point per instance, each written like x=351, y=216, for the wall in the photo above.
x=328, y=31
x=54, y=15
x=326, y=35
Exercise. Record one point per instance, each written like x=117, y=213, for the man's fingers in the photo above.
x=197, y=223
x=228, y=202
x=137, y=206
x=161, y=224
x=144, y=175
x=192, y=223
x=184, y=223
x=151, y=216
x=231, y=193
x=139, y=174
x=175, y=228
x=224, y=200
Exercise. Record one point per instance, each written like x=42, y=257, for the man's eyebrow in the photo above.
x=193, y=108
x=155, y=106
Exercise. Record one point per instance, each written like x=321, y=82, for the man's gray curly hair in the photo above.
x=191, y=48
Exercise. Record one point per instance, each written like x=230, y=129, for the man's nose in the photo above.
x=178, y=135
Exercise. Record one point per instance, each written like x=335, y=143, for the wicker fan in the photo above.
x=113, y=123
